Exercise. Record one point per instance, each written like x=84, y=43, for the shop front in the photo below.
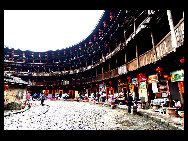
x=122, y=89
x=158, y=92
x=142, y=87
x=102, y=91
x=177, y=78
x=165, y=91
x=71, y=94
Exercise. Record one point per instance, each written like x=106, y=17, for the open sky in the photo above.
x=43, y=30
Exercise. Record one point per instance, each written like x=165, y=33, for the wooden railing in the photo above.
x=132, y=65
x=163, y=48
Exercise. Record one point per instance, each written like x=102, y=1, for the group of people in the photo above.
x=40, y=96
x=96, y=97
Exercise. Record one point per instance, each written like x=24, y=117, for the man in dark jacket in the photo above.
x=129, y=99
x=98, y=96
x=42, y=99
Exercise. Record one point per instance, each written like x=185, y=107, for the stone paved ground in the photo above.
x=64, y=115
x=176, y=123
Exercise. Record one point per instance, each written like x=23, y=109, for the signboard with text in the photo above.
x=177, y=76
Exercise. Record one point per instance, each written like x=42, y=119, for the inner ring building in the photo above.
x=130, y=51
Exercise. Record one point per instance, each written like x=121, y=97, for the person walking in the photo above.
x=98, y=96
x=34, y=96
x=66, y=96
x=42, y=99
x=129, y=99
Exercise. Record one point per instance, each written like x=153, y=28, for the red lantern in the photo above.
x=119, y=80
x=6, y=86
x=104, y=24
x=129, y=78
x=100, y=31
x=182, y=60
x=90, y=42
x=159, y=70
x=95, y=37
x=110, y=82
x=111, y=17
x=141, y=77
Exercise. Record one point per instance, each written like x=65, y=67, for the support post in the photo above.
x=138, y=64
x=154, y=49
x=126, y=62
x=102, y=73
x=171, y=24
x=125, y=37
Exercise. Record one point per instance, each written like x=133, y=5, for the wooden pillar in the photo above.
x=96, y=73
x=126, y=62
x=134, y=27
x=125, y=58
x=109, y=66
x=102, y=73
x=138, y=64
x=173, y=35
x=116, y=62
x=154, y=49
x=125, y=37
x=86, y=63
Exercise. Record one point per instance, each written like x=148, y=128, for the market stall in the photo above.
x=122, y=93
x=178, y=77
x=142, y=89
x=161, y=90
